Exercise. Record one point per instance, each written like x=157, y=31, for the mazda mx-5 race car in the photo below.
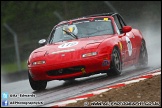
x=85, y=46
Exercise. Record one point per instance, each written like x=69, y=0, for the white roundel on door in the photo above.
x=129, y=45
x=68, y=44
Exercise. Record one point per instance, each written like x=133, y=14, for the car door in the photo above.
x=127, y=41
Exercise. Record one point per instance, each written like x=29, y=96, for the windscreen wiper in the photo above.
x=71, y=34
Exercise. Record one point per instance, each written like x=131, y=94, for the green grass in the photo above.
x=12, y=67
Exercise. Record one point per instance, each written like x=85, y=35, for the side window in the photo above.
x=121, y=21
x=117, y=28
x=117, y=22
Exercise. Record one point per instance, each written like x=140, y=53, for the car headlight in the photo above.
x=39, y=62
x=89, y=54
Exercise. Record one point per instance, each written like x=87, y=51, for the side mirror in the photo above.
x=42, y=42
x=126, y=29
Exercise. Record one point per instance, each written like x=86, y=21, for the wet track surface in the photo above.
x=61, y=90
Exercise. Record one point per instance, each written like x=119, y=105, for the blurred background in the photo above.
x=24, y=23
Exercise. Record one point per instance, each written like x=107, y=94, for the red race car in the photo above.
x=85, y=46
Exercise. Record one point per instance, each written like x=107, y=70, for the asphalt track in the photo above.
x=61, y=90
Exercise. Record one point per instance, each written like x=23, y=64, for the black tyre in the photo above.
x=143, y=56
x=73, y=79
x=69, y=80
x=116, y=63
x=37, y=85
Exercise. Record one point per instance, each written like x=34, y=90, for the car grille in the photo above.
x=65, y=71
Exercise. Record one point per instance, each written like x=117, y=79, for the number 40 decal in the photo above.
x=129, y=45
x=68, y=44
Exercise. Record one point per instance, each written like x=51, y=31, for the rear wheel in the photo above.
x=37, y=85
x=143, y=57
x=116, y=64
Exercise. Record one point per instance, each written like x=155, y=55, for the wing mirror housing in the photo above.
x=125, y=29
x=42, y=42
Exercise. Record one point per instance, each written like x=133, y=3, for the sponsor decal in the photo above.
x=105, y=63
x=57, y=52
x=83, y=70
x=105, y=19
x=68, y=44
x=121, y=47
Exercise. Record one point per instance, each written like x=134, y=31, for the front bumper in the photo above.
x=87, y=66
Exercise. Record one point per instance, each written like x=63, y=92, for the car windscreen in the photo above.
x=82, y=29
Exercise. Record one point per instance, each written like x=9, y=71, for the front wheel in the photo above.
x=116, y=64
x=143, y=57
x=37, y=85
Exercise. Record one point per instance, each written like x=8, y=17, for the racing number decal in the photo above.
x=69, y=44
x=129, y=45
